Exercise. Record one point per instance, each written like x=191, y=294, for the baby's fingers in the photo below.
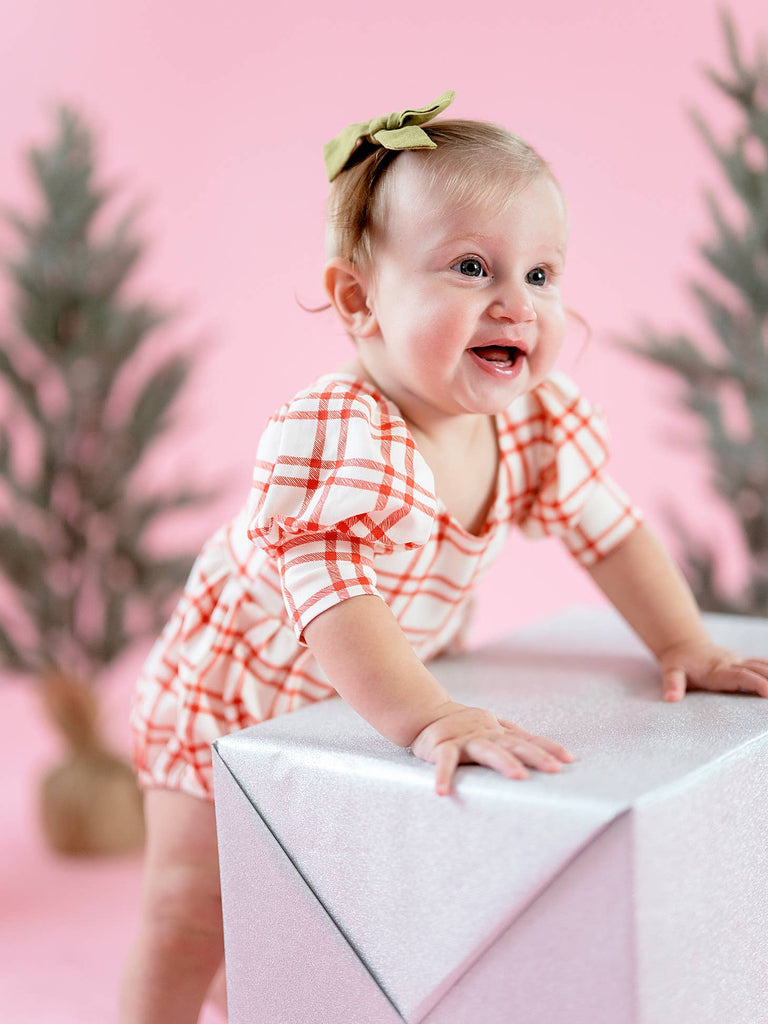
x=485, y=752
x=758, y=669
x=532, y=754
x=673, y=683
x=446, y=762
x=493, y=755
x=550, y=746
x=742, y=677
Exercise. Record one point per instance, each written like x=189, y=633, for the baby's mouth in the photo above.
x=501, y=355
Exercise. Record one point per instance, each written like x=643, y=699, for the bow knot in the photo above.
x=398, y=130
x=387, y=122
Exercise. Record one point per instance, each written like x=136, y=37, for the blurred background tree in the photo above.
x=81, y=580
x=725, y=384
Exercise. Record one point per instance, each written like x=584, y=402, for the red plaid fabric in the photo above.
x=343, y=504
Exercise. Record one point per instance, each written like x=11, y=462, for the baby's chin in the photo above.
x=493, y=392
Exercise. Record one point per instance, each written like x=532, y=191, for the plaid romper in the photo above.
x=343, y=504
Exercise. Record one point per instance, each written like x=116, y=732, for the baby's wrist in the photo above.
x=694, y=640
x=442, y=710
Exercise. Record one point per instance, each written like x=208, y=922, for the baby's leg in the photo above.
x=180, y=943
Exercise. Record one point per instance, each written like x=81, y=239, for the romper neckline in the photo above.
x=493, y=517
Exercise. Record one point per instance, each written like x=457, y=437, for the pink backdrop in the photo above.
x=217, y=113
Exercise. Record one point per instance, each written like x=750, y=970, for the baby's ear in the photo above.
x=348, y=293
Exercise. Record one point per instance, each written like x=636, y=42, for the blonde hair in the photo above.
x=475, y=161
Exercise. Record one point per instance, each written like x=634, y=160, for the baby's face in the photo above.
x=466, y=301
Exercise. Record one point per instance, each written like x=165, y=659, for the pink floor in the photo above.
x=65, y=924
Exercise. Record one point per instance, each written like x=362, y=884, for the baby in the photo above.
x=381, y=494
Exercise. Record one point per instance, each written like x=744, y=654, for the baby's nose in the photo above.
x=516, y=306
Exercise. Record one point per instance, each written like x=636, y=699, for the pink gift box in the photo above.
x=631, y=888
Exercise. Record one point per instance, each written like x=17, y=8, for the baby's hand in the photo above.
x=466, y=735
x=705, y=666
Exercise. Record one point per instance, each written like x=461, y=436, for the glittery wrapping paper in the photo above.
x=631, y=888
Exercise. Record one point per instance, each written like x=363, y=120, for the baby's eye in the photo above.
x=470, y=266
x=537, y=276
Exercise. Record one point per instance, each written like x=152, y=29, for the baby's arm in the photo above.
x=369, y=661
x=648, y=589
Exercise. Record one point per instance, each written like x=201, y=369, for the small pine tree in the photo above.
x=736, y=313
x=74, y=557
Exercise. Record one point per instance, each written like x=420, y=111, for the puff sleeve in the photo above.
x=560, y=445
x=337, y=481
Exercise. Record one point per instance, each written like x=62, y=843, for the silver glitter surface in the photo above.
x=631, y=887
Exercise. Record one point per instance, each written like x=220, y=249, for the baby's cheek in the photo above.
x=548, y=348
x=558, y=328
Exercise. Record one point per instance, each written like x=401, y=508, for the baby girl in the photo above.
x=381, y=494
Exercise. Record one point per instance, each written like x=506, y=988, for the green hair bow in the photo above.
x=399, y=130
